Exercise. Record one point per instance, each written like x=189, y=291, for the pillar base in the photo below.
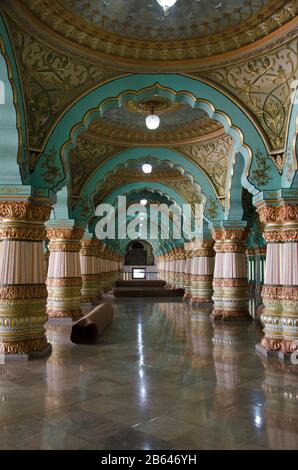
x=201, y=300
x=72, y=314
x=7, y=357
x=267, y=353
x=227, y=315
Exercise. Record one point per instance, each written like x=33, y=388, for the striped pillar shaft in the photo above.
x=22, y=277
x=230, y=283
x=64, y=280
x=99, y=269
x=180, y=268
x=187, y=273
x=202, y=272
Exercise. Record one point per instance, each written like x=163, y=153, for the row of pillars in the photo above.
x=78, y=272
x=216, y=271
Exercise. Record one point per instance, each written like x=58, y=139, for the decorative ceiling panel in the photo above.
x=85, y=158
x=263, y=84
x=146, y=19
x=179, y=123
x=213, y=158
x=205, y=28
x=51, y=82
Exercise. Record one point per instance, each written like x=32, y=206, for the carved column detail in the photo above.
x=88, y=262
x=280, y=290
x=179, y=268
x=202, y=271
x=22, y=278
x=187, y=271
x=230, y=283
x=64, y=275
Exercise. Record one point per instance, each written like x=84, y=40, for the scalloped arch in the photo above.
x=173, y=86
x=170, y=157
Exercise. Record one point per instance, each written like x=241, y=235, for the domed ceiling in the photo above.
x=146, y=20
x=136, y=32
x=125, y=125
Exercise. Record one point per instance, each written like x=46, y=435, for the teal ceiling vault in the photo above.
x=174, y=159
x=236, y=123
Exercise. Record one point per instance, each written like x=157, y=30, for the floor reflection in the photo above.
x=163, y=377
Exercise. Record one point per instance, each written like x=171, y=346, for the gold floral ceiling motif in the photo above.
x=108, y=36
x=213, y=158
x=85, y=158
x=263, y=84
x=51, y=82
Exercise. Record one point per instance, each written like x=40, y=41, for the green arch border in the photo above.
x=247, y=138
x=161, y=154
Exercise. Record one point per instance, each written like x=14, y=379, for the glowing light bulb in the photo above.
x=143, y=202
x=147, y=168
x=166, y=5
x=152, y=122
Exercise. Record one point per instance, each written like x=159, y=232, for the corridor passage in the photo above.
x=162, y=377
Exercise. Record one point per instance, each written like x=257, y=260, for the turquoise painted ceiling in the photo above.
x=145, y=19
x=182, y=116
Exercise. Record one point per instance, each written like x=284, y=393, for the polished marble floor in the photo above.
x=162, y=377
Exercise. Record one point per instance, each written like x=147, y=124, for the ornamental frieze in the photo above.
x=24, y=210
x=282, y=214
x=23, y=346
x=280, y=293
x=277, y=344
x=282, y=235
x=64, y=282
x=23, y=292
x=229, y=234
x=24, y=234
x=218, y=282
x=64, y=313
x=74, y=233
x=102, y=43
x=237, y=247
x=68, y=246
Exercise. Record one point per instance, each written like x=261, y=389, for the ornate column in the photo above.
x=99, y=269
x=230, y=282
x=171, y=267
x=64, y=275
x=180, y=268
x=88, y=262
x=251, y=267
x=202, y=271
x=188, y=268
x=166, y=268
x=280, y=290
x=22, y=278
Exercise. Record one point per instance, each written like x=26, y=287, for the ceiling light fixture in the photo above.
x=166, y=5
x=152, y=121
x=143, y=202
x=147, y=168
